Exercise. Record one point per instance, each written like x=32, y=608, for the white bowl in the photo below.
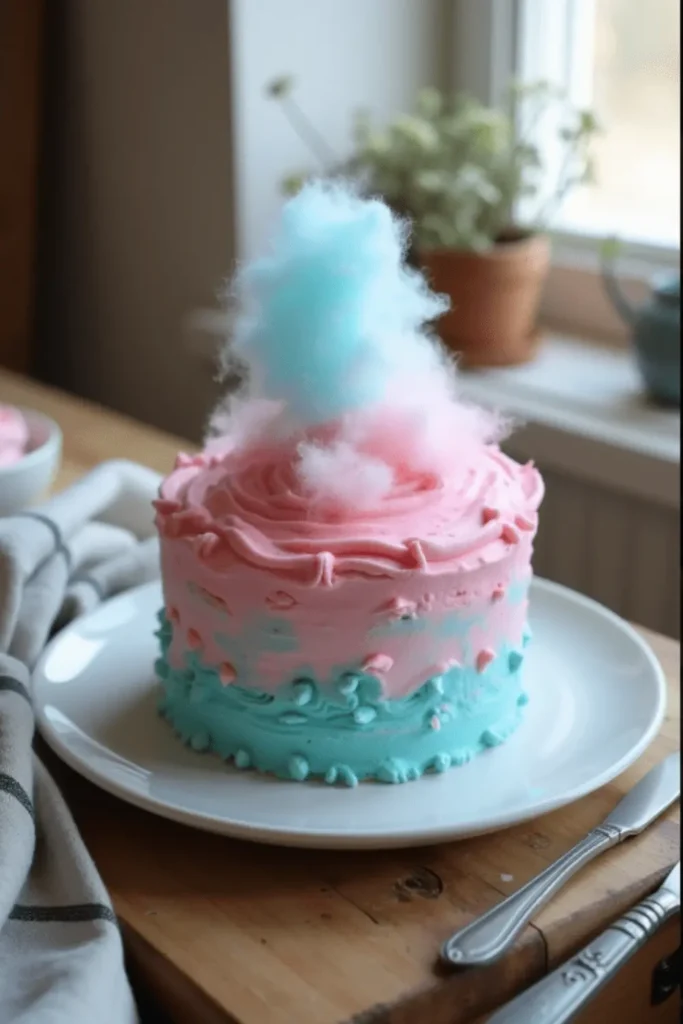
x=25, y=480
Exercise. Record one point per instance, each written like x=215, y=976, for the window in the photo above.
x=621, y=58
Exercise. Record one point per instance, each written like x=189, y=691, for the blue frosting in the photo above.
x=343, y=730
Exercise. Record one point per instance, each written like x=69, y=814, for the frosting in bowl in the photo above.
x=14, y=435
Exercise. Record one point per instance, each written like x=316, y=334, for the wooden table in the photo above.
x=220, y=930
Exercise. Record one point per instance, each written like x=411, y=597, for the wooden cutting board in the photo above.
x=222, y=931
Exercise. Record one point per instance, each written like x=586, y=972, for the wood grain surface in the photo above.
x=225, y=931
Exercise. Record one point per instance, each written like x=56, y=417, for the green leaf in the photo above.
x=474, y=180
x=293, y=183
x=431, y=181
x=588, y=123
x=610, y=249
x=377, y=145
x=280, y=87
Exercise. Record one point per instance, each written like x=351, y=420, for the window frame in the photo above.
x=489, y=44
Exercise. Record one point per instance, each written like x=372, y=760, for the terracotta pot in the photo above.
x=494, y=299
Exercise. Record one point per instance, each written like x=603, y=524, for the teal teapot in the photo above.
x=655, y=331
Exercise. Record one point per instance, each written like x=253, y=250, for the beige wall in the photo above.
x=151, y=105
x=344, y=55
x=137, y=198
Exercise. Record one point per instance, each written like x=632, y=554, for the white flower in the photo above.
x=417, y=131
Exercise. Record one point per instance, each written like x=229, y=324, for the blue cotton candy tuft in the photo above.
x=332, y=329
x=326, y=315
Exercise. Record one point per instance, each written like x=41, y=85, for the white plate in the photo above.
x=597, y=700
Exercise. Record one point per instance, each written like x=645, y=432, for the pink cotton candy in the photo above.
x=375, y=450
x=240, y=422
x=344, y=376
x=342, y=477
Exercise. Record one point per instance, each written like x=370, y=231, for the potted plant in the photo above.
x=471, y=180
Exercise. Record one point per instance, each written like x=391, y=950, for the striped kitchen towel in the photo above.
x=61, y=957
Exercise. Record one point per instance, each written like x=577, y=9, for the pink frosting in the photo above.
x=14, y=435
x=241, y=546
x=256, y=511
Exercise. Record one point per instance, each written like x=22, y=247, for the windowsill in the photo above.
x=574, y=292
x=580, y=407
x=584, y=411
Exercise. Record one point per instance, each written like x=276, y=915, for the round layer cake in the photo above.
x=375, y=644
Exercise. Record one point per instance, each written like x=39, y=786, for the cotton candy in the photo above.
x=333, y=331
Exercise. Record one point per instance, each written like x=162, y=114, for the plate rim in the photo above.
x=358, y=840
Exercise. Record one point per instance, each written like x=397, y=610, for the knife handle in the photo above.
x=488, y=937
x=563, y=993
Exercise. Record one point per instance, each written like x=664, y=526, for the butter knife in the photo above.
x=562, y=994
x=488, y=937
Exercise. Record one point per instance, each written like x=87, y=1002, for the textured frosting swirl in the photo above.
x=257, y=510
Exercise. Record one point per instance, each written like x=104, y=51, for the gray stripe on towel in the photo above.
x=9, y=684
x=73, y=912
x=11, y=786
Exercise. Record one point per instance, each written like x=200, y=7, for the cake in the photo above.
x=346, y=564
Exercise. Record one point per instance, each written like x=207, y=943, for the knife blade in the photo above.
x=488, y=937
x=648, y=799
x=562, y=994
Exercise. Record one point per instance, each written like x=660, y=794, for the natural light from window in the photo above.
x=627, y=57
